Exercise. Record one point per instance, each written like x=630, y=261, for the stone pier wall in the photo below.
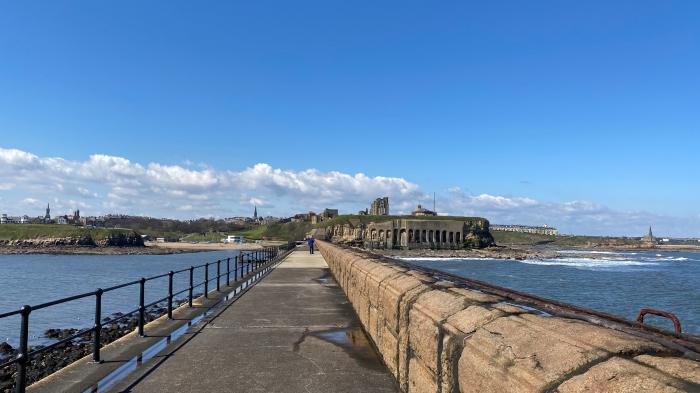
x=435, y=337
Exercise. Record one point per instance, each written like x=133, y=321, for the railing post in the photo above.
x=206, y=281
x=191, y=285
x=98, y=327
x=23, y=356
x=228, y=271
x=142, y=308
x=170, y=294
x=218, y=275
x=235, y=268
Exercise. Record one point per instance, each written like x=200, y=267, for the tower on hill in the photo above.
x=649, y=239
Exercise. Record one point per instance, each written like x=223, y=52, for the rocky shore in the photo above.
x=90, y=250
x=117, y=243
x=53, y=360
x=489, y=252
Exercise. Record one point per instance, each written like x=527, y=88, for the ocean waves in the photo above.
x=589, y=263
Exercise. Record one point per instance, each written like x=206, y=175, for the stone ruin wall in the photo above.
x=435, y=337
x=473, y=233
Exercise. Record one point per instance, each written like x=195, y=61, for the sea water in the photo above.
x=35, y=279
x=619, y=283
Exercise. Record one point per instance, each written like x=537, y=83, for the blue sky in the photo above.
x=582, y=115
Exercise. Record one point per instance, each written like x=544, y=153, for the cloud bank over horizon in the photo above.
x=109, y=184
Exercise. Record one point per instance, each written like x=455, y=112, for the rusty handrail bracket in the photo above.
x=672, y=317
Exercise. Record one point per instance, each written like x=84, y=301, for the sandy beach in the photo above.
x=211, y=246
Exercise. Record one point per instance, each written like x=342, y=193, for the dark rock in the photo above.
x=6, y=349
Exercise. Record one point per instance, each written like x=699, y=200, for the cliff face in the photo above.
x=51, y=242
x=477, y=235
x=132, y=239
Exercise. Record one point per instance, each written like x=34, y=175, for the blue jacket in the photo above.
x=310, y=242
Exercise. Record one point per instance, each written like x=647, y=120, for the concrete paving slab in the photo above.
x=293, y=332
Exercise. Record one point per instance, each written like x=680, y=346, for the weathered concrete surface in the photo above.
x=293, y=332
x=83, y=374
x=438, y=338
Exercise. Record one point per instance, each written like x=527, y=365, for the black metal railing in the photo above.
x=244, y=264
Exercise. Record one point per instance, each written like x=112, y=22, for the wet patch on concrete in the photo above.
x=352, y=340
x=326, y=279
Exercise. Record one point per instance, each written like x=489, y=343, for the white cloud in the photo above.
x=177, y=191
x=573, y=217
x=160, y=188
x=257, y=202
x=31, y=202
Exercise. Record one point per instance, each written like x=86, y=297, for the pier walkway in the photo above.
x=294, y=331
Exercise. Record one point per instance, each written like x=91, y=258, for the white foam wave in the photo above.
x=438, y=259
x=592, y=263
x=586, y=252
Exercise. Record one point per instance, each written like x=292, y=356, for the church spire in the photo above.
x=255, y=213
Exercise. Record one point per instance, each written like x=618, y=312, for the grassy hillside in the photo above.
x=173, y=229
x=277, y=231
x=561, y=241
x=35, y=231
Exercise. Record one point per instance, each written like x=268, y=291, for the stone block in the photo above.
x=426, y=316
x=472, y=318
x=685, y=369
x=642, y=374
x=510, y=308
x=529, y=353
x=420, y=379
x=391, y=291
x=388, y=348
x=476, y=296
x=374, y=279
x=373, y=325
x=405, y=304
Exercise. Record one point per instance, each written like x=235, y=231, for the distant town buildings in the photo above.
x=68, y=219
x=543, y=230
x=421, y=211
x=380, y=207
x=314, y=218
x=328, y=214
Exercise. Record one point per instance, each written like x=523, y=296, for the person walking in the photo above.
x=310, y=242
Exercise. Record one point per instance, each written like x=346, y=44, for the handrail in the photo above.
x=245, y=264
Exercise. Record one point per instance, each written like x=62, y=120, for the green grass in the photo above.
x=366, y=219
x=205, y=237
x=36, y=231
x=517, y=238
x=254, y=233
x=287, y=231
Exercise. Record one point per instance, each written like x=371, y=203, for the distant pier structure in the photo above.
x=543, y=230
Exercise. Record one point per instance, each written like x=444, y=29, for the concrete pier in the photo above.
x=293, y=332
